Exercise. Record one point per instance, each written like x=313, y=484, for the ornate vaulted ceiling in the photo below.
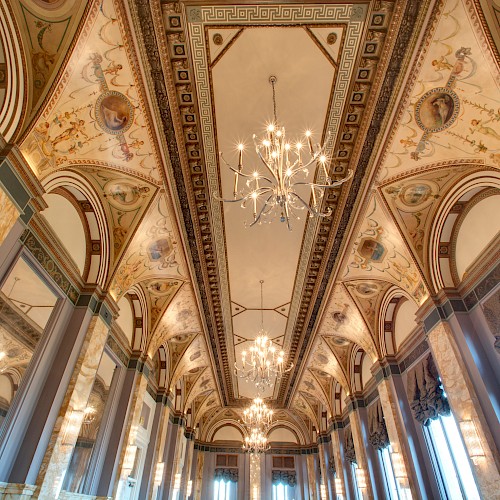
x=148, y=95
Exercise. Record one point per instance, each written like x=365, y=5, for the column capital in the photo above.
x=385, y=368
x=354, y=401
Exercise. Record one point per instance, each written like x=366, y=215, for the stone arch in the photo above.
x=289, y=426
x=13, y=102
x=392, y=301
x=440, y=242
x=83, y=197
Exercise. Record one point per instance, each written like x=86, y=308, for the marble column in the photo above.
x=465, y=407
x=338, y=457
x=198, y=478
x=187, y=463
x=129, y=447
x=9, y=216
x=12, y=491
x=149, y=473
x=406, y=437
x=311, y=478
x=71, y=414
x=157, y=442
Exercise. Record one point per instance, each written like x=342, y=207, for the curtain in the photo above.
x=425, y=392
x=376, y=424
x=349, y=451
x=288, y=478
x=227, y=474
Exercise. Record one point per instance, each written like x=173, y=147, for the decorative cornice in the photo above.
x=195, y=219
x=402, y=44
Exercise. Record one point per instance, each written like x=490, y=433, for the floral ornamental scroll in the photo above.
x=425, y=392
x=285, y=477
x=349, y=451
x=378, y=431
x=227, y=474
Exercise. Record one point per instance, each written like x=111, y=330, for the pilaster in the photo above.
x=72, y=411
x=338, y=457
x=365, y=454
x=464, y=403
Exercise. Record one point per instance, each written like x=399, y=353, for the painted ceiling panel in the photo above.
x=97, y=114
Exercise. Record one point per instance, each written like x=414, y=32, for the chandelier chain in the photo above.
x=273, y=80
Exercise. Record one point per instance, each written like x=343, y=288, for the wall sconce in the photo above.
x=177, y=482
x=322, y=491
x=129, y=459
x=159, y=472
x=338, y=488
x=361, y=478
x=471, y=438
x=72, y=427
x=189, y=488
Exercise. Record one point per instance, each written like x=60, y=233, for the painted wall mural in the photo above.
x=379, y=252
x=414, y=201
x=47, y=29
x=126, y=199
x=342, y=320
x=153, y=253
x=96, y=115
x=368, y=295
x=453, y=111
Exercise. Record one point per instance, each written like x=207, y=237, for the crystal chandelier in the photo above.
x=273, y=194
x=263, y=362
x=256, y=441
x=258, y=415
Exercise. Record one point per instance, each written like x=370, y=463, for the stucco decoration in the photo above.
x=96, y=115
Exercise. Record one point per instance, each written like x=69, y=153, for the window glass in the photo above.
x=450, y=459
x=357, y=490
x=224, y=490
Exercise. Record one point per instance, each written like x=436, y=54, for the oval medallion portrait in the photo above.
x=114, y=112
x=437, y=109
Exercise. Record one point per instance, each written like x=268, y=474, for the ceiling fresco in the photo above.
x=48, y=31
x=96, y=115
x=450, y=112
x=151, y=92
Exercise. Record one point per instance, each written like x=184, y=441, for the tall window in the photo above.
x=394, y=488
x=284, y=478
x=226, y=477
x=450, y=459
x=430, y=407
x=224, y=490
x=357, y=489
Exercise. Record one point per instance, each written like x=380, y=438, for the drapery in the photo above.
x=349, y=451
x=285, y=477
x=425, y=392
x=227, y=474
x=376, y=424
